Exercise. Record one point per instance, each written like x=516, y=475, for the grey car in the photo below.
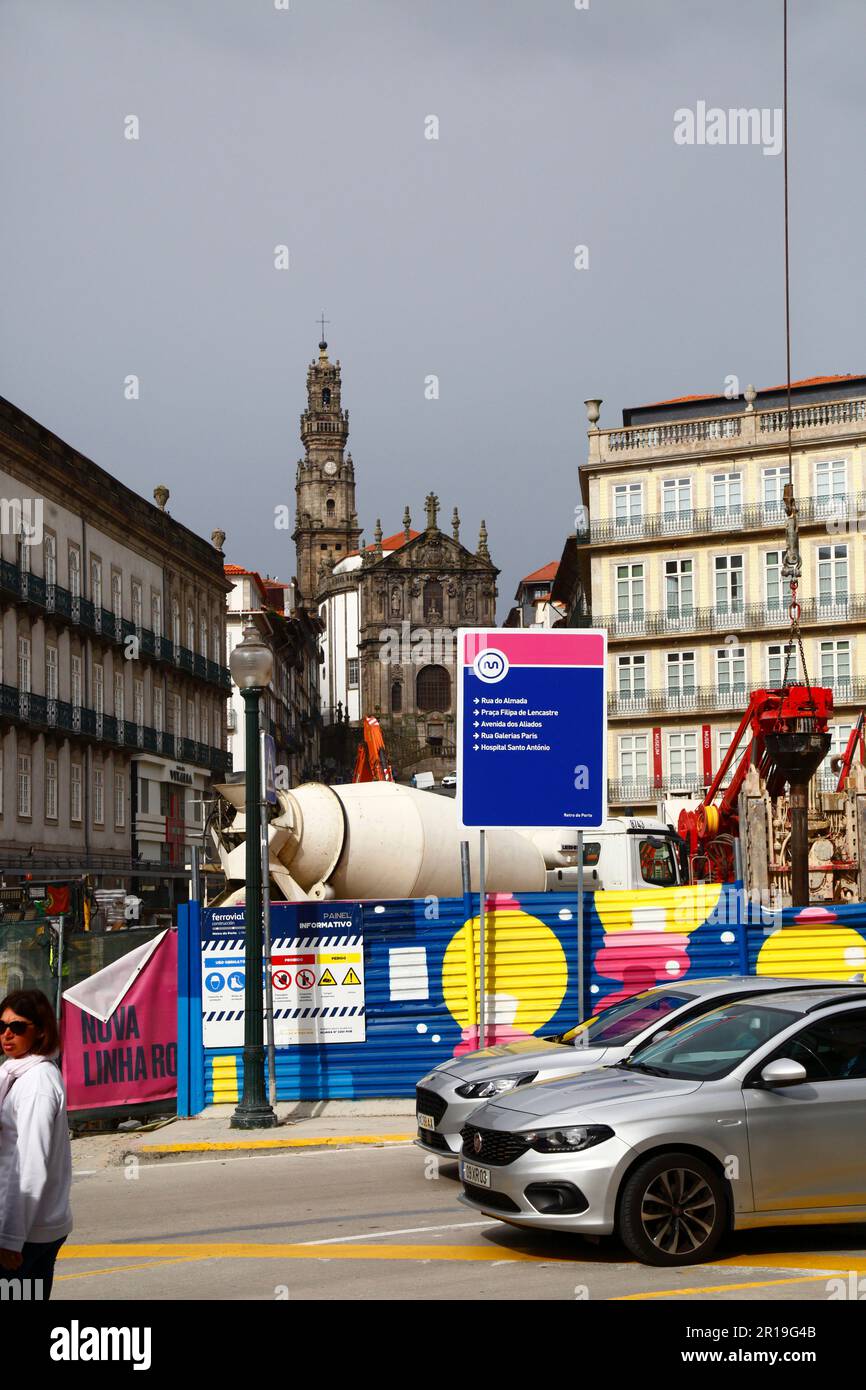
x=751, y=1115
x=447, y=1096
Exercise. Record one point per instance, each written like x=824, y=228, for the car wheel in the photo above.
x=673, y=1210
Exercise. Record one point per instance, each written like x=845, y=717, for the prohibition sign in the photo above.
x=282, y=979
x=306, y=979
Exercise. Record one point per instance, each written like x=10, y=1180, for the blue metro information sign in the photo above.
x=532, y=727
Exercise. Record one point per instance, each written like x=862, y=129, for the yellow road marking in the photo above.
x=121, y=1269
x=718, y=1288
x=267, y=1251
x=329, y=1141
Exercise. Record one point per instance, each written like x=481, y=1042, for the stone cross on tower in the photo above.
x=431, y=504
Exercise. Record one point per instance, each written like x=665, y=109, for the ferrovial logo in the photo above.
x=490, y=665
x=77, y=1343
x=738, y=126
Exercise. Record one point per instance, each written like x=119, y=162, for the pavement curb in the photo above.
x=331, y=1141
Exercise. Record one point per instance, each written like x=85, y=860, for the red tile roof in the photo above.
x=388, y=542
x=764, y=390
x=238, y=571
x=539, y=576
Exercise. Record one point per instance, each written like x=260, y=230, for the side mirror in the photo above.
x=783, y=1072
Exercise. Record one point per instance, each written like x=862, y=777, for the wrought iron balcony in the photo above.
x=623, y=792
x=833, y=512
x=727, y=618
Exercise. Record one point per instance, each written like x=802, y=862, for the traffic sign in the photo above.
x=306, y=979
x=532, y=728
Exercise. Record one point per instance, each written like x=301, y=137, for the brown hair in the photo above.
x=33, y=1005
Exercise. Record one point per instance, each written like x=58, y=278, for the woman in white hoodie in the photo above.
x=35, y=1157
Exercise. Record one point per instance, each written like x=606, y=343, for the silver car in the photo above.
x=447, y=1096
x=751, y=1115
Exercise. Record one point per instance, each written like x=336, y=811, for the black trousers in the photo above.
x=37, y=1264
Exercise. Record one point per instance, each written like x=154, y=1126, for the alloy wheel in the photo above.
x=678, y=1211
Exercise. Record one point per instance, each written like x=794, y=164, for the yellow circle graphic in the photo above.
x=813, y=953
x=525, y=969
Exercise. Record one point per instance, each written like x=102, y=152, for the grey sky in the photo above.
x=452, y=257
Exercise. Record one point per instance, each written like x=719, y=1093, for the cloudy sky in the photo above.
x=305, y=126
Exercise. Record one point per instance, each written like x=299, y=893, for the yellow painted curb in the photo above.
x=266, y=1251
x=324, y=1141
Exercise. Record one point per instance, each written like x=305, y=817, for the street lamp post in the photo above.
x=251, y=664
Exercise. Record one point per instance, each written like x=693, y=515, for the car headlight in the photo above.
x=496, y=1086
x=572, y=1140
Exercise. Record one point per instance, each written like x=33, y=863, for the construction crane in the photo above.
x=371, y=763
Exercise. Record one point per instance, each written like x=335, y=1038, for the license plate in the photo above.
x=425, y=1121
x=479, y=1177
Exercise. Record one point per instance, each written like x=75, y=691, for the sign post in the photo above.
x=532, y=741
x=269, y=798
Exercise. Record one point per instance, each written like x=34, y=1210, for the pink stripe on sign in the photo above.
x=538, y=648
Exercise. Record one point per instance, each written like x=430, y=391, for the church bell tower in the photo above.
x=326, y=523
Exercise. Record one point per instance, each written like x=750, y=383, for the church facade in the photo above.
x=390, y=609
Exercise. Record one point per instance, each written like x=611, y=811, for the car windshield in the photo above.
x=712, y=1045
x=623, y=1022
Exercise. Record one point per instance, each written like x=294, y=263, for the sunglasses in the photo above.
x=18, y=1026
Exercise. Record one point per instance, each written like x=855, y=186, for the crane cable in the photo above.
x=792, y=561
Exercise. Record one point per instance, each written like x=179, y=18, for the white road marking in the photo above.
x=407, y=1231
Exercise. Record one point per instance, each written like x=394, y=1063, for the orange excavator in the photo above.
x=371, y=763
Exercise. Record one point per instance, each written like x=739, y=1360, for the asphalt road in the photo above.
x=367, y=1224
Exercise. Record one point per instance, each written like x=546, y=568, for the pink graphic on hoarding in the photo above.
x=119, y=1030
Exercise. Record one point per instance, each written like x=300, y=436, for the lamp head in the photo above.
x=251, y=663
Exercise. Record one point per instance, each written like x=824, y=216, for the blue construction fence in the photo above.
x=413, y=968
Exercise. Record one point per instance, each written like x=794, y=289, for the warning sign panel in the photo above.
x=318, y=991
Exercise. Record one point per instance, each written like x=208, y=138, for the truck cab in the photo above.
x=631, y=852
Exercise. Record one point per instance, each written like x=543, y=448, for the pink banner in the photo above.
x=131, y=1057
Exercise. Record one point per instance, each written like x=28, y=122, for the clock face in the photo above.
x=330, y=468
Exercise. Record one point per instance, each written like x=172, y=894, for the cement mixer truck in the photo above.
x=383, y=840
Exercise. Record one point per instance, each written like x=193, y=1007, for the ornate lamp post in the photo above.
x=251, y=664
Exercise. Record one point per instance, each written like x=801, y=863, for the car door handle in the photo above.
x=729, y=1124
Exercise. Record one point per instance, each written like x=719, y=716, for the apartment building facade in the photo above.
x=290, y=706
x=685, y=527
x=112, y=678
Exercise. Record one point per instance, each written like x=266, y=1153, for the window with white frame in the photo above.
x=137, y=609
x=75, y=791
x=633, y=757
x=832, y=574
x=631, y=677
x=676, y=500
x=98, y=688
x=24, y=784
x=119, y=692
x=156, y=614
x=50, y=788
x=202, y=636
x=773, y=592
x=119, y=800
x=175, y=623
x=724, y=739
x=729, y=583
x=835, y=662
x=680, y=671
x=727, y=491
x=74, y=571
x=96, y=582
x=679, y=588
x=190, y=719
x=24, y=664
x=831, y=480
x=629, y=591
x=117, y=597
x=627, y=503
x=773, y=482
x=51, y=673
x=23, y=551
x=682, y=757
x=98, y=796
x=138, y=702
x=353, y=671
x=157, y=709
x=75, y=680
x=50, y=548
x=730, y=669
x=782, y=656
x=190, y=629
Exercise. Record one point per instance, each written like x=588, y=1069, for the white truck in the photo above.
x=629, y=852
